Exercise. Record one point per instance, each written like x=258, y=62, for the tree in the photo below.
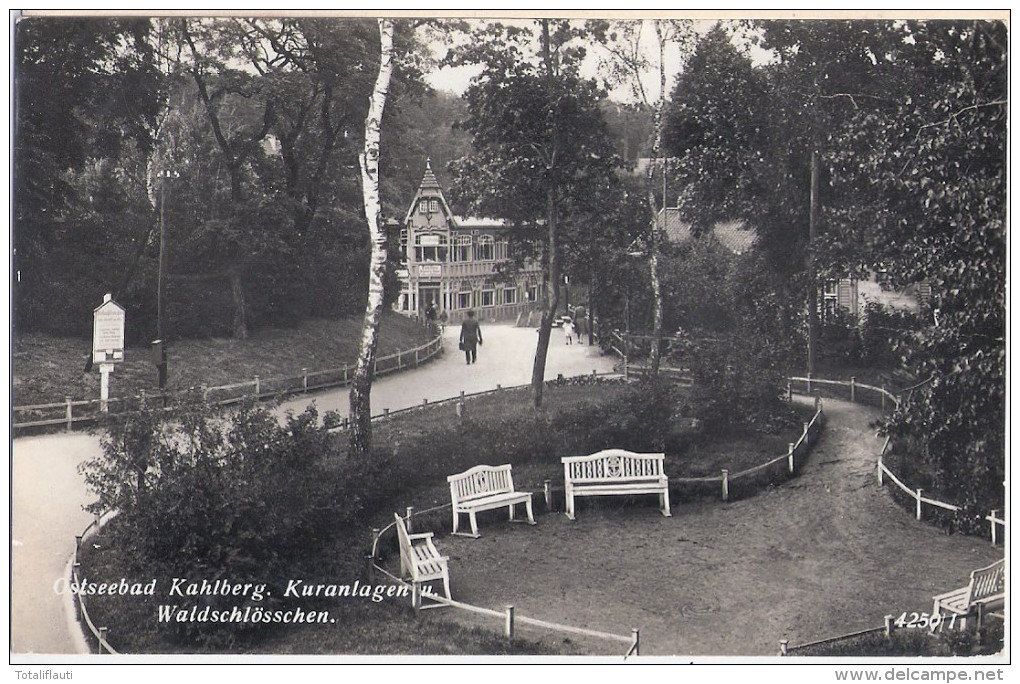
x=84, y=111
x=629, y=62
x=521, y=108
x=924, y=174
x=361, y=384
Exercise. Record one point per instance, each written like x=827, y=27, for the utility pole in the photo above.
x=812, y=275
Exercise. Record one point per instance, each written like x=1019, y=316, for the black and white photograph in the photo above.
x=462, y=339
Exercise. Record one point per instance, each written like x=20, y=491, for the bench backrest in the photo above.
x=480, y=481
x=612, y=465
x=986, y=582
x=405, y=541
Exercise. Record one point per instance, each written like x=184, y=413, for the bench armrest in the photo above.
x=423, y=535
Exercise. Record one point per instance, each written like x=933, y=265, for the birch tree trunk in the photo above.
x=653, y=243
x=361, y=386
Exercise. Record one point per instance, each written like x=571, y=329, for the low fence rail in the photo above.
x=100, y=634
x=936, y=623
x=887, y=400
x=70, y=413
x=509, y=616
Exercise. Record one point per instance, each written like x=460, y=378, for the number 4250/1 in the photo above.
x=935, y=622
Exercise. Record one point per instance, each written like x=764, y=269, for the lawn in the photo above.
x=48, y=369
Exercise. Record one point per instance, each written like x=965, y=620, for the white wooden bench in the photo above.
x=421, y=562
x=987, y=587
x=484, y=488
x=615, y=472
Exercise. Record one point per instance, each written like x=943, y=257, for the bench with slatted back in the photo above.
x=615, y=472
x=421, y=562
x=484, y=488
x=987, y=587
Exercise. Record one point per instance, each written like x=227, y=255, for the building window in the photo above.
x=463, y=300
x=510, y=296
x=462, y=248
x=532, y=293
x=502, y=250
x=403, y=241
x=485, y=250
x=434, y=206
x=423, y=206
x=488, y=298
x=430, y=247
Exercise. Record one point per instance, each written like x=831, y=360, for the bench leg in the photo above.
x=455, y=520
x=474, y=524
x=570, y=505
x=664, y=503
x=531, y=515
x=511, y=507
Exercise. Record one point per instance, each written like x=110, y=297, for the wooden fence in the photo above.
x=887, y=400
x=100, y=634
x=70, y=413
x=508, y=616
x=890, y=626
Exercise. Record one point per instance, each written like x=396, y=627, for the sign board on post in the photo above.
x=108, y=332
x=107, y=342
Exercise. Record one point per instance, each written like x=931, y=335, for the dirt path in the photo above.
x=825, y=554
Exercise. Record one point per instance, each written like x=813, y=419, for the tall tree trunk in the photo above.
x=553, y=284
x=653, y=243
x=812, y=276
x=240, y=322
x=361, y=386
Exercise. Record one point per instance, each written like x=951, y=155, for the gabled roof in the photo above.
x=733, y=235
x=429, y=187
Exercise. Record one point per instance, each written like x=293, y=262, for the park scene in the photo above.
x=549, y=338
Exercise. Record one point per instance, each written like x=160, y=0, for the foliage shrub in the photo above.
x=242, y=498
x=883, y=329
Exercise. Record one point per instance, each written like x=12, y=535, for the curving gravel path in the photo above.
x=825, y=554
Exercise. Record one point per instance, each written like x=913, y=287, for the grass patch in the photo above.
x=912, y=643
x=413, y=453
x=47, y=369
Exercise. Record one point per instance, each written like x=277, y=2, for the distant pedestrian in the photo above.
x=470, y=337
x=568, y=330
x=580, y=323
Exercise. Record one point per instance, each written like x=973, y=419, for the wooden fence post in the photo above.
x=385, y=413
x=919, y=490
x=784, y=647
x=67, y=413
x=345, y=373
x=141, y=398
x=992, y=516
x=878, y=468
x=547, y=486
x=258, y=387
x=626, y=376
x=205, y=392
x=103, y=633
x=399, y=364
x=77, y=544
x=424, y=403
x=636, y=637
x=416, y=357
x=809, y=383
x=725, y=485
x=883, y=395
x=853, y=389
x=370, y=567
x=304, y=380
x=410, y=519
x=807, y=437
x=818, y=403
x=509, y=621
x=888, y=625
x=789, y=390
x=790, y=457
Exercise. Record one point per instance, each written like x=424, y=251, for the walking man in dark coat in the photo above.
x=470, y=337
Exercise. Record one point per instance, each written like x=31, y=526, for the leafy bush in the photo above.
x=882, y=330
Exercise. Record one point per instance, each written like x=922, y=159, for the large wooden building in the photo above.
x=451, y=262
